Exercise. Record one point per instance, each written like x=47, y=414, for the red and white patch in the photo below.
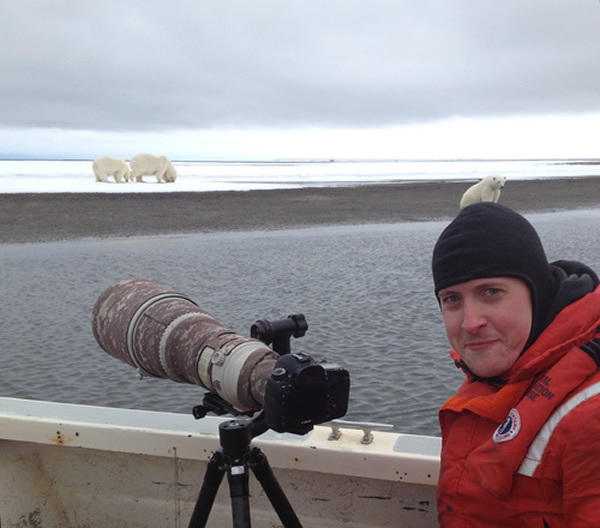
x=509, y=428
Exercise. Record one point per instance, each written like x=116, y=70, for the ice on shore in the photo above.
x=41, y=176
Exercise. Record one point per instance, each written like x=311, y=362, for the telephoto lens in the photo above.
x=165, y=334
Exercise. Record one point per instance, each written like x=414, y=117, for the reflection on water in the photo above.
x=366, y=292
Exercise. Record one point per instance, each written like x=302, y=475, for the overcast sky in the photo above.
x=245, y=79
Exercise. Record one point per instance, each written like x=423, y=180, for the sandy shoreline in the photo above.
x=48, y=217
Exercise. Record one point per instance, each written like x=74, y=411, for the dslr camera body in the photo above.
x=301, y=392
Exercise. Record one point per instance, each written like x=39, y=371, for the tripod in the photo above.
x=235, y=456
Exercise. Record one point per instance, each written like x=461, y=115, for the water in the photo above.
x=77, y=176
x=366, y=292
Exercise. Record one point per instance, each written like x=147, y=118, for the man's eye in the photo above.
x=450, y=299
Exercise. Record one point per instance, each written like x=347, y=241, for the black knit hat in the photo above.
x=490, y=240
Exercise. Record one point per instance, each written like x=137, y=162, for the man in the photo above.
x=521, y=438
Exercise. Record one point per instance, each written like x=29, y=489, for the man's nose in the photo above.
x=473, y=316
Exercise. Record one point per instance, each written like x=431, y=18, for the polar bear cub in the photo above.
x=147, y=164
x=106, y=166
x=487, y=190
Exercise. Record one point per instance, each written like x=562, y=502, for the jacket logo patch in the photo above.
x=509, y=427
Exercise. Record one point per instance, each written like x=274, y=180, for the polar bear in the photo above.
x=142, y=164
x=487, y=190
x=106, y=166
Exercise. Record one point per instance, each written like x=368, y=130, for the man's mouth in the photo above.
x=480, y=345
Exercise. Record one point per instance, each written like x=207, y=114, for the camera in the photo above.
x=301, y=392
x=165, y=334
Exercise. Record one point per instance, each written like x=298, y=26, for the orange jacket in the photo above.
x=528, y=453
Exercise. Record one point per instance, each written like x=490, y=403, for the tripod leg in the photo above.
x=239, y=491
x=212, y=480
x=264, y=474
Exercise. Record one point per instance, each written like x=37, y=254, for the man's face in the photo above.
x=487, y=322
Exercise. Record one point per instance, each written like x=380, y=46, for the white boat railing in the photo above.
x=77, y=465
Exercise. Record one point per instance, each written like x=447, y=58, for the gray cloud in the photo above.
x=155, y=65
